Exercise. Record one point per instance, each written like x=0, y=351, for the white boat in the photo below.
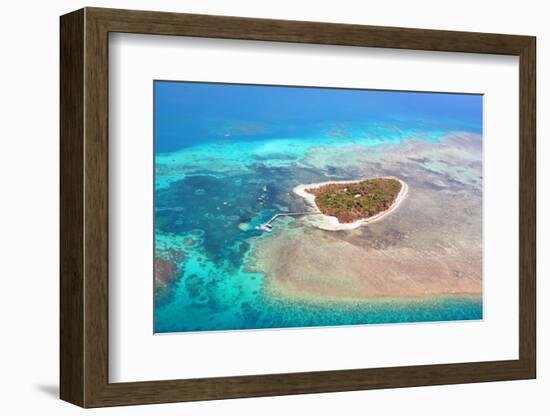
x=265, y=227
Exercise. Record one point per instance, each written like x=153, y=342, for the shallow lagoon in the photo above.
x=215, y=213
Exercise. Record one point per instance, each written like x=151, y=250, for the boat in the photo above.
x=265, y=227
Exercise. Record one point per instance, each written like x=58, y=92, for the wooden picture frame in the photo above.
x=84, y=207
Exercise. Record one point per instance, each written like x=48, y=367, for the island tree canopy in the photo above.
x=353, y=201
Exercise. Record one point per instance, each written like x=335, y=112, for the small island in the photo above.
x=348, y=205
x=350, y=202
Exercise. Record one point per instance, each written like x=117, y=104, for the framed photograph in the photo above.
x=255, y=207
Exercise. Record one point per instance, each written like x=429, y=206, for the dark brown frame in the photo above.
x=84, y=208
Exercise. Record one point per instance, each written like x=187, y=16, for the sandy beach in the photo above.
x=329, y=223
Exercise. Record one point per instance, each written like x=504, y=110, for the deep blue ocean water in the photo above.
x=187, y=114
x=226, y=157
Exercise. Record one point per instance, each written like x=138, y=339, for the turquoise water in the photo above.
x=226, y=159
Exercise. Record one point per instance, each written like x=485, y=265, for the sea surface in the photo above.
x=226, y=160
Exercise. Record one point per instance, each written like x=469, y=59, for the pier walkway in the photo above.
x=266, y=226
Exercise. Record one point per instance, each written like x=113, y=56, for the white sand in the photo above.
x=327, y=222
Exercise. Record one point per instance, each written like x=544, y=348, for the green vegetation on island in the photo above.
x=353, y=201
